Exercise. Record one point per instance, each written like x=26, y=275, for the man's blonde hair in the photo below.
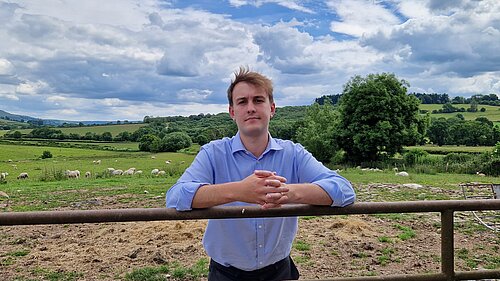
x=256, y=79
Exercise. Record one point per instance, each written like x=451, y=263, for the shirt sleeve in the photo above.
x=311, y=170
x=180, y=195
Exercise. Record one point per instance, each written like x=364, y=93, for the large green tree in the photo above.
x=377, y=118
x=317, y=132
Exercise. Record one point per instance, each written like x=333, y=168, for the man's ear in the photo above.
x=273, y=109
x=231, y=112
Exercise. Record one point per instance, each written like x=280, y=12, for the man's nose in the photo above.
x=251, y=107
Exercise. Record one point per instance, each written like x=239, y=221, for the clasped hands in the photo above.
x=267, y=189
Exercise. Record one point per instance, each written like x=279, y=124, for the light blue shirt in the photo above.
x=253, y=243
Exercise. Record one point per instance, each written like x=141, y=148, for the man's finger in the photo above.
x=263, y=173
x=270, y=206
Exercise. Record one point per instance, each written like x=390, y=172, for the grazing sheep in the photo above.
x=161, y=173
x=117, y=172
x=402, y=174
x=3, y=175
x=97, y=162
x=72, y=174
x=480, y=174
x=153, y=157
x=138, y=172
x=168, y=162
x=88, y=174
x=22, y=176
x=154, y=172
x=129, y=171
x=110, y=170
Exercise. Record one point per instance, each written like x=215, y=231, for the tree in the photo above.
x=17, y=135
x=172, y=142
x=317, y=131
x=107, y=136
x=146, y=141
x=46, y=154
x=438, y=131
x=377, y=118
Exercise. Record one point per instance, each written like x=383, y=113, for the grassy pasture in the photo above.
x=43, y=192
x=434, y=149
x=117, y=146
x=492, y=112
x=113, y=129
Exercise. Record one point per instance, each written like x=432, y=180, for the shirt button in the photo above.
x=260, y=262
x=260, y=246
x=260, y=226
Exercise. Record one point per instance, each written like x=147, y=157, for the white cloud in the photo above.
x=5, y=67
x=9, y=96
x=290, y=4
x=463, y=43
x=32, y=88
x=193, y=95
x=358, y=17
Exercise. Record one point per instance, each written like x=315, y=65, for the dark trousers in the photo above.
x=284, y=269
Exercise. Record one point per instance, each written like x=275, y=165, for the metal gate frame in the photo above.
x=445, y=207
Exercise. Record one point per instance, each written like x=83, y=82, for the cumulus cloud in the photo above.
x=290, y=4
x=463, y=43
x=358, y=17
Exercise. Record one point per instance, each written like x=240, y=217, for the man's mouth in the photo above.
x=252, y=118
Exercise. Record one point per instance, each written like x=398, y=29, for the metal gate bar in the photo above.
x=445, y=207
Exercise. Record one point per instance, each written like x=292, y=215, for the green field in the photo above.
x=492, y=112
x=434, y=149
x=113, y=129
x=42, y=181
x=15, y=159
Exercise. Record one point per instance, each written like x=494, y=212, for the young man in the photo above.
x=252, y=168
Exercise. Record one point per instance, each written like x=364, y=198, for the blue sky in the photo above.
x=123, y=60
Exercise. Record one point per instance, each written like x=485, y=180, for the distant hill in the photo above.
x=51, y=122
x=15, y=117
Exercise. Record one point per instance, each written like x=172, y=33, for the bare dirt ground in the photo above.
x=353, y=245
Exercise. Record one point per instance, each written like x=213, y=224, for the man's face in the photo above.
x=252, y=110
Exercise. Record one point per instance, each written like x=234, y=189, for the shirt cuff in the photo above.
x=341, y=192
x=180, y=195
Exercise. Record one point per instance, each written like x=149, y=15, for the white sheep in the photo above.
x=153, y=157
x=117, y=172
x=480, y=174
x=97, y=162
x=129, y=171
x=168, y=162
x=138, y=172
x=161, y=173
x=22, y=176
x=72, y=174
x=154, y=172
x=3, y=175
x=88, y=174
x=402, y=174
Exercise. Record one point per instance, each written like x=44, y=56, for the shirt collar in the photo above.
x=237, y=145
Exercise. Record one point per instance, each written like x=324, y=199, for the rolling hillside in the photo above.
x=492, y=112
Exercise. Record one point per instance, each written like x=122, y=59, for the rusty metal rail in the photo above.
x=445, y=207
